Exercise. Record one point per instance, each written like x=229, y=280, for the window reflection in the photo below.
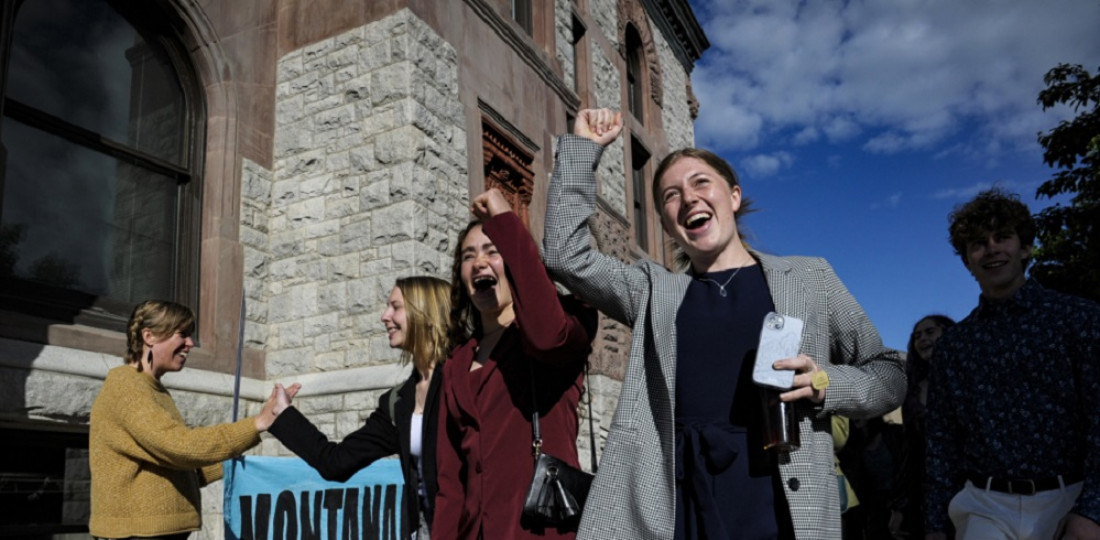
x=78, y=220
x=98, y=140
x=81, y=61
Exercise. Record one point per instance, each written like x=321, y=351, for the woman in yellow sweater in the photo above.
x=147, y=465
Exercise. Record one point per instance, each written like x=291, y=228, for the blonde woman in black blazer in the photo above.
x=635, y=493
x=416, y=321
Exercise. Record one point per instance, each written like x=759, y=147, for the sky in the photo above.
x=858, y=126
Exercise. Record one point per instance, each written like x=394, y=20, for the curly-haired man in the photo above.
x=1013, y=412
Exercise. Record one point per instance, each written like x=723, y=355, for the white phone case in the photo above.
x=780, y=338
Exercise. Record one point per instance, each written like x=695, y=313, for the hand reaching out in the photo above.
x=276, y=404
x=598, y=125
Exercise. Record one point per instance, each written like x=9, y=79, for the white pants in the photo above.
x=981, y=514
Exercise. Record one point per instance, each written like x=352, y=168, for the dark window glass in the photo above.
x=639, y=157
x=578, y=35
x=86, y=221
x=635, y=94
x=45, y=485
x=521, y=12
x=97, y=133
x=79, y=60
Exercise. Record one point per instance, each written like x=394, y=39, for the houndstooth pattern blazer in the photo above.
x=633, y=494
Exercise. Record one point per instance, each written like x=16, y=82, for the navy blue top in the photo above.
x=1013, y=394
x=725, y=481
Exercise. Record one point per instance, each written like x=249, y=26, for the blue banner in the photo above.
x=275, y=498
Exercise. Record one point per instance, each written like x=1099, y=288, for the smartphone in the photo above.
x=780, y=337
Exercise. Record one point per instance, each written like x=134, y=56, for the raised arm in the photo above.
x=550, y=332
x=604, y=281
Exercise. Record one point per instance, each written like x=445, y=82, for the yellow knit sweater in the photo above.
x=147, y=465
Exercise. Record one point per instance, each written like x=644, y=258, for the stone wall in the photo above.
x=563, y=39
x=369, y=184
x=611, y=176
x=675, y=112
x=606, y=15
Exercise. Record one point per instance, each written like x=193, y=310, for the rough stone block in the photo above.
x=406, y=143
x=415, y=258
x=333, y=296
x=287, y=335
x=391, y=83
x=336, y=208
x=397, y=222
x=320, y=324
x=330, y=361
x=355, y=236
x=286, y=362
x=289, y=109
x=297, y=301
x=293, y=138
x=321, y=404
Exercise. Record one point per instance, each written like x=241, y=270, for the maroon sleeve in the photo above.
x=550, y=332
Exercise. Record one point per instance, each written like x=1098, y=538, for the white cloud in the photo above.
x=806, y=136
x=892, y=76
x=762, y=165
x=965, y=193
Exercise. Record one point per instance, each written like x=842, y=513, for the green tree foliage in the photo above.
x=1068, y=258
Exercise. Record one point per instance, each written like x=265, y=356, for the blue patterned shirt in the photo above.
x=1013, y=393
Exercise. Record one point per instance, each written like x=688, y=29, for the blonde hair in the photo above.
x=162, y=318
x=427, y=307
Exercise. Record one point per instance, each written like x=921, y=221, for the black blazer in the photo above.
x=379, y=437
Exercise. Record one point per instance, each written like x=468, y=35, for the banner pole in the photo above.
x=240, y=353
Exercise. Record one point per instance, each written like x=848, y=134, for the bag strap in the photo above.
x=591, y=432
x=536, y=433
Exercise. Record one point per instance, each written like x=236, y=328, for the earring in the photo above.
x=149, y=358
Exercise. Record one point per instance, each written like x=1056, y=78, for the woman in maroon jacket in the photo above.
x=522, y=337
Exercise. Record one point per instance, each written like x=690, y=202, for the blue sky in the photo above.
x=857, y=126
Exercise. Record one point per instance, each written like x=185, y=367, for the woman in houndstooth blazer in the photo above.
x=637, y=494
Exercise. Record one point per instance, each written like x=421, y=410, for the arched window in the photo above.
x=99, y=187
x=634, y=75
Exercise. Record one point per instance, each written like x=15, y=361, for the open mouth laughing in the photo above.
x=697, y=220
x=484, y=283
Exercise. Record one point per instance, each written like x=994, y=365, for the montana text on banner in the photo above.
x=277, y=498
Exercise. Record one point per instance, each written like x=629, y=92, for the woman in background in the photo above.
x=407, y=415
x=526, y=351
x=147, y=465
x=922, y=343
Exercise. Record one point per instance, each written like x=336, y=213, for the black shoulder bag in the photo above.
x=558, y=490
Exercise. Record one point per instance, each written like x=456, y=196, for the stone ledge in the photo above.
x=32, y=356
